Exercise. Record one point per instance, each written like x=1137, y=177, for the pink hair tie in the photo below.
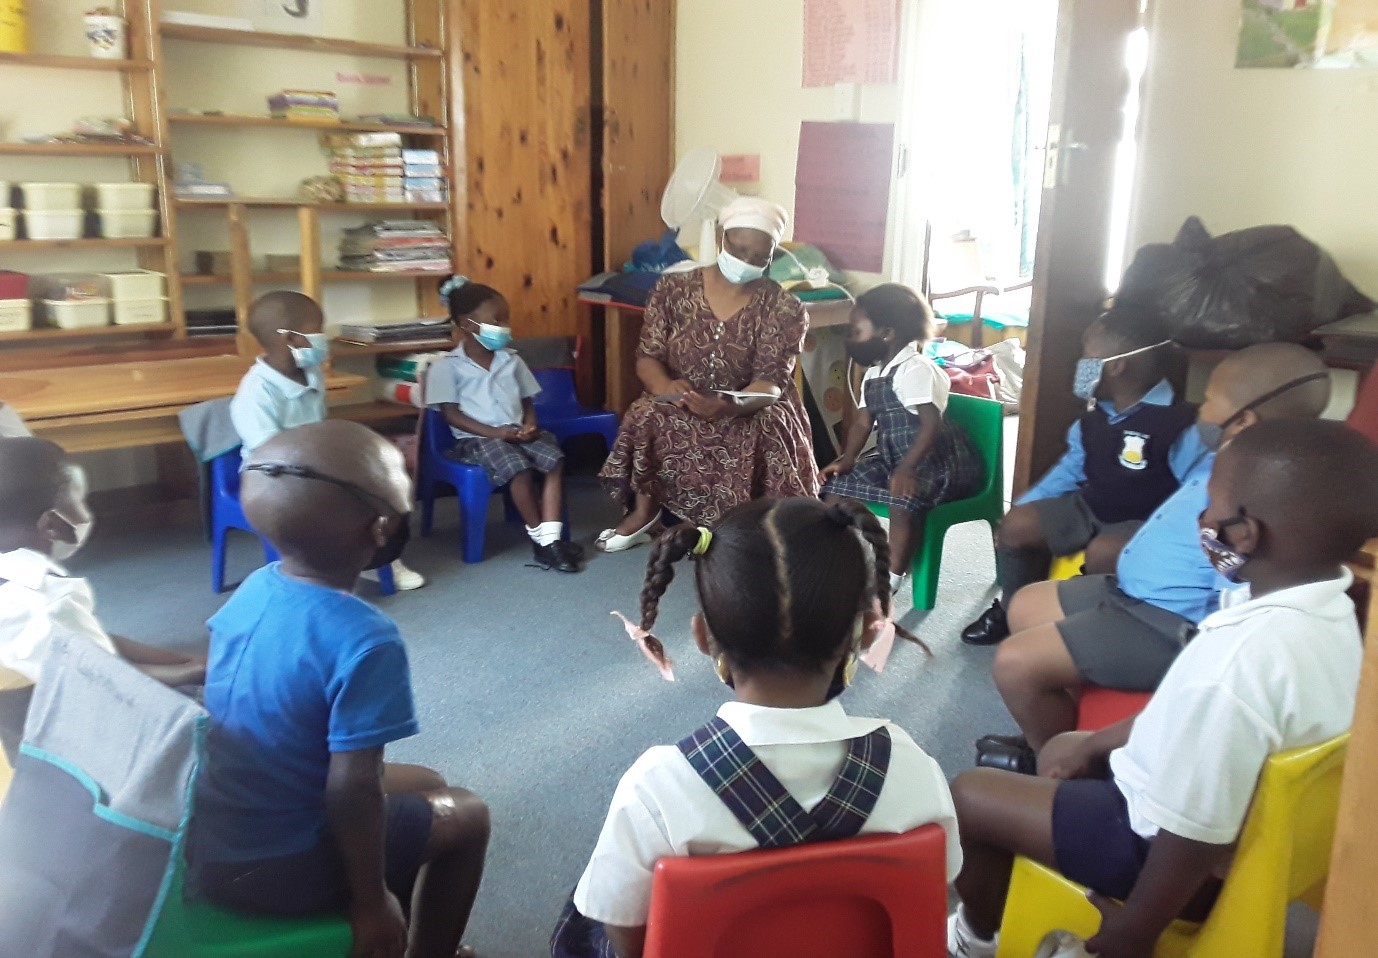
x=883, y=643
x=650, y=646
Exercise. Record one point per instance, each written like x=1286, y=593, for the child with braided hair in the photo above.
x=792, y=593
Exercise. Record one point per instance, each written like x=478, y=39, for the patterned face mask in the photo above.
x=1223, y=557
x=1089, y=372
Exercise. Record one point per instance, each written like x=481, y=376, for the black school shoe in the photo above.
x=1011, y=753
x=989, y=629
x=560, y=555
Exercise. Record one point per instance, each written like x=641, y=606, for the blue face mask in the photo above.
x=492, y=337
x=737, y=271
x=1089, y=371
x=312, y=355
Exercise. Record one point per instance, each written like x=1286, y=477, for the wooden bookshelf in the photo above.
x=287, y=202
x=292, y=41
x=51, y=62
x=341, y=349
x=47, y=334
x=327, y=276
x=19, y=245
x=78, y=149
x=316, y=126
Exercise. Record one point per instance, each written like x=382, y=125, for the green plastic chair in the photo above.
x=194, y=929
x=983, y=419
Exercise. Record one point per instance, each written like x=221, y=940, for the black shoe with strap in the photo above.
x=989, y=629
x=1010, y=753
x=559, y=555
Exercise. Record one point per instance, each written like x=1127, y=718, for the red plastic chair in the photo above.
x=878, y=896
x=1101, y=707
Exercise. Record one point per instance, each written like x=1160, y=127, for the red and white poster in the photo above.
x=842, y=191
x=851, y=41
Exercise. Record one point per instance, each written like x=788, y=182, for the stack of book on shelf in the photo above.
x=414, y=332
x=305, y=105
x=191, y=184
x=401, y=376
x=375, y=168
x=396, y=246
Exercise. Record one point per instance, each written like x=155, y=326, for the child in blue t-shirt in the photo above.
x=296, y=812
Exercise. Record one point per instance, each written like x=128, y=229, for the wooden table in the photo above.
x=127, y=405
x=622, y=332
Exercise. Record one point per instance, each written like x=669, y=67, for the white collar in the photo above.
x=28, y=568
x=288, y=386
x=758, y=725
x=500, y=358
x=903, y=356
x=1326, y=599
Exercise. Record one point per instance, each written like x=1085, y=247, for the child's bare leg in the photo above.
x=552, y=496
x=1034, y=671
x=644, y=509
x=449, y=881
x=523, y=493
x=1103, y=553
x=1035, y=605
x=400, y=778
x=905, y=528
x=1021, y=529
x=999, y=815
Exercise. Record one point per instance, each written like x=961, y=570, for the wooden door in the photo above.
x=527, y=80
x=1086, y=123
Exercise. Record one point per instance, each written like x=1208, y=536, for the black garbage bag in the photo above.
x=1258, y=285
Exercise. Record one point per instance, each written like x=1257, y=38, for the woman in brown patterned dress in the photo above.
x=686, y=447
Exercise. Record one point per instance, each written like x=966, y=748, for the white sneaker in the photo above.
x=962, y=941
x=406, y=579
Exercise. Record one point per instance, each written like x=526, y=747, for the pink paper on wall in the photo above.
x=851, y=41
x=842, y=191
x=741, y=168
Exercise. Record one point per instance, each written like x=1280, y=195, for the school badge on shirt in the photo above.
x=1132, y=455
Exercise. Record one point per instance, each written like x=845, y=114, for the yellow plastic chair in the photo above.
x=1067, y=567
x=1283, y=856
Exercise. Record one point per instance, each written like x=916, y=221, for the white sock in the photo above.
x=895, y=579
x=546, y=533
x=963, y=942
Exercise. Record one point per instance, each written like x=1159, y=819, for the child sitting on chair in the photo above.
x=484, y=391
x=792, y=591
x=296, y=812
x=44, y=520
x=1125, y=455
x=920, y=459
x=1146, y=810
x=285, y=387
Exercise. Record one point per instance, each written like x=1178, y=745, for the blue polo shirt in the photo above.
x=1164, y=564
x=297, y=671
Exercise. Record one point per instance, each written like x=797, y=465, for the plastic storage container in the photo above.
x=51, y=196
x=139, y=312
x=78, y=313
x=127, y=224
x=16, y=315
x=135, y=284
x=54, y=224
x=9, y=222
x=123, y=196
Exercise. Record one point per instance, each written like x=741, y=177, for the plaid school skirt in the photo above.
x=503, y=461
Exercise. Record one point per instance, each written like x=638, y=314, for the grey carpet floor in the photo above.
x=530, y=693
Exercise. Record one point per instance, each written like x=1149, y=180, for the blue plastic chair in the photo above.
x=558, y=409
x=434, y=468
x=226, y=514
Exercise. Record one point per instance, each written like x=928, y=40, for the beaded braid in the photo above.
x=873, y=532
x=672, y=546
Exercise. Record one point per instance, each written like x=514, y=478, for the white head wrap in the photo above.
x=752, y=212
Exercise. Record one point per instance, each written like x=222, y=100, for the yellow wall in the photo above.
x=1247, y=147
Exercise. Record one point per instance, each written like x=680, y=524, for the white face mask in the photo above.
x=737, y=271
x=62, y=551
x=310, y=356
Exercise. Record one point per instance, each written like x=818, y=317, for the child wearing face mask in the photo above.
x=1147, y=810
x=791, y=593
x=285, y=387
x=484, y=391
x=44, y=519
x=920, y=459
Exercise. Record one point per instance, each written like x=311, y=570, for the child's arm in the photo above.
x=627, y=942
x=1172, y=876
x=356, y=810
x=858, y=431
x=1066, y=475
x=530, y=426
x=455, y=417
x=903, y=481
x=169, y=667
x=1083, y=754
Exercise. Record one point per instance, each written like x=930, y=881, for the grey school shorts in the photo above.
x=1115, y=641
x=1069, y=524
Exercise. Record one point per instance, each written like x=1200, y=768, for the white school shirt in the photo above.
x=663, y=809
x=12, y=425
x=267, y=402
x=491, y=396
x=39, y=601
x=918, y=380
x=1261, y=676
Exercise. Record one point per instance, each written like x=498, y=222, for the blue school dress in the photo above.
x=762, y=804
x=952, y=469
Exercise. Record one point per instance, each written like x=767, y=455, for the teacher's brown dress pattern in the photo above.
x=699, y=469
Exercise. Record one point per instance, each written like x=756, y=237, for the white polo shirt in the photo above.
x=38, y=601
x=267, y=402
x=491, y=396
x=12, y=425
x=1262, y=676
x=918, y=380
x=663, y=809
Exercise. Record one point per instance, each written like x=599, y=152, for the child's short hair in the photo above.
x=463, y=296
x=897, y=307
x=281, y=309
x=31, y=479
x=782, y=582
x=1314, y=482
x=1131, y=328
